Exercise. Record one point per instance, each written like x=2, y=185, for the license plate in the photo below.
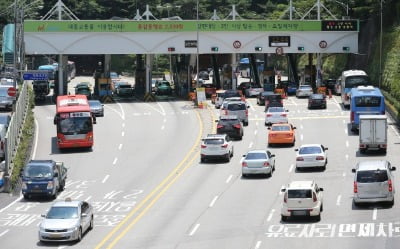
x=55, y=235
x=299, y=212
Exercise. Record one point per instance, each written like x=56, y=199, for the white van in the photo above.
x=373, y=182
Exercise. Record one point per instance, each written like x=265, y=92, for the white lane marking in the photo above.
x=229, y=179
x=374, y=214
x=347, y=157
x=12, y=203
x=161, y=111
x=6, y=231
x=115, y=161
x=123, y=133
x=162, y=127
x=123, y=124
x=344, y=121
x=338, y=200
x=347, y=143
x=194, y=229
x=301, y=127
x=121, y=114
x=395, y=131
x=256, y=123
x=87, y=199
x=165, y=120
x=213, y=201
x=270, y=215
x=36, y=138
x=120, y=146
x=105, y=178
x=252, y=107
x=61, y=247
x=345, y=131
x=291, y=168
x=344, y=174
x=258, y=244
x=301, y=137
x=256, y=116
x=255, y=132
x=250, y=145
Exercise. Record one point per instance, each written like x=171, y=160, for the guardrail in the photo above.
x=13, y=134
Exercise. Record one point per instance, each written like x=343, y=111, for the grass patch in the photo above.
x=23, y=151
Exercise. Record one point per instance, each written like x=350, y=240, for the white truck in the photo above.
x=373, y=133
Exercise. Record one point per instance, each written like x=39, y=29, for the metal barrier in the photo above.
x=13, y=135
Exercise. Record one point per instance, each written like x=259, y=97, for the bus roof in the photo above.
x=353, y=72
x=72, y=103
x=365, y=90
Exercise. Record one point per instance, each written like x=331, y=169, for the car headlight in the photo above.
x=24, y=186
x=72, y=229
x=50, y=185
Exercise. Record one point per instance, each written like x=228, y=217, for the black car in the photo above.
x=261, y=97
x=231, y=126
x=317, y=100
x=273, y=100
x=330, y=84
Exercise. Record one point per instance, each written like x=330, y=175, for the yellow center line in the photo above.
x=173, y=173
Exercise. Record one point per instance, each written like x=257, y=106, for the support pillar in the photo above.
x=234, y=65
x=148, y=72
x=107, y=65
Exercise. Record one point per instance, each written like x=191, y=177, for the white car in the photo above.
x=258, y=162
x=275, y=115
x=311, y=155
x=253, y=90
x=373, y=182
x=304, y=91
x=302, y=198
x=216, y=146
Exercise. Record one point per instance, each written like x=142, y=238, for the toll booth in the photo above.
x=104, y=87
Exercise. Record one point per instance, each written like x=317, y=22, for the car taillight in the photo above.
x=289, y=135
x=272, y=135
x=355, y=189
x=220, y=126
x=224, y=146
x=390, y=185
x=320, y=158
x=226, y=112
x=266, y=164
x=269, y=115
x=352, y=116
x=283, y=115
x=247, y=112
x=314, y=197
x=267, y=102
x=244, y=164
x=203, y=146
x=285, y=198
x=237, y=126
x=299, y=158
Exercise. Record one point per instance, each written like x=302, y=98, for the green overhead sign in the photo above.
x=183, y=26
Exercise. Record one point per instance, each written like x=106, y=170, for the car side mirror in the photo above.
x=393, y=168
x=55, y=174
x=321, y=189
x=283, y=190
x=55, y=120
x=243, y=155
x=269, y=128
x=296, y=149
x=326, y=148
x=353, y=170
x=272, y=155
x=294, y=127
x=287, y=110
x=43, y=215
x=216, y=121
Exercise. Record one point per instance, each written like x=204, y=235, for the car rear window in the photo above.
x=231, y=94
x=318, y=96
x=366, y=176
x=275, y=109
x=256, y=156
x=236, y=107
x=310, y=150
x=229, y=121
x=124, y=86
x=280, y=128
x=299, y=193
x=214, y=141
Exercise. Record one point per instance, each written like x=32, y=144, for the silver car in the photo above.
x=258, y=162
x=239, y=109
x=97, y=108
x=66, y=221
x=304, y=91
x=276, y=115
x=373, y=182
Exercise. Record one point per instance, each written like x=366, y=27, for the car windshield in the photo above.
x=62, y=213
x=280, y=128
x=305, y=88
x=214, y=141
x=310, y=150
x=368, y=176
x=38, y=171
x=231, y=94
x=276, y=109
x=124, y=86
x=256, y=155
x=299, y=193
x=95, y=103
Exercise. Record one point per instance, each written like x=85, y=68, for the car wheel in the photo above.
x=284, y=218
x=228, y=158
x=391, y=203
x=26, y=197
x=91, y=225
x=318, y=217
x=322, y=208
x=231, y=153
x=62, y=186
x=246, y=123
x=202, y=160
x=79, y=234
x=269, y=174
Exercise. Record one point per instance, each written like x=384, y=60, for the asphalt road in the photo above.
x=149, y=189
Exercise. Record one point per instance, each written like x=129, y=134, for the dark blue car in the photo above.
x=291, y=88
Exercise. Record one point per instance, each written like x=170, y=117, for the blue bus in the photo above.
x=350, y=79
x=365, y=100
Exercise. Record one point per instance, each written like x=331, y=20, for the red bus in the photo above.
x=74, y=122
